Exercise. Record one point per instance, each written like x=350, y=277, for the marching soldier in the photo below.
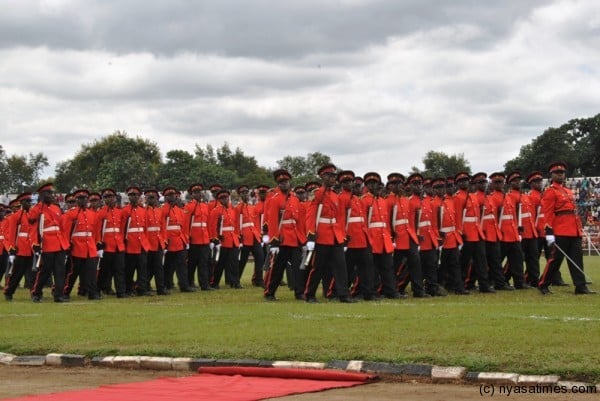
x=17, y=238
x=156, y=242
x=212, y=262
x=511, y=229
x=284, y=219
x=377, y=212
x=326, y=238
x=49, y=244
x=112, y=262
x=196, y=221
x=468, y=220
x=563, y=232
x=133, y=227
x=529, y=236
x=95, y=201
x=177, y=241
x=251, y=238
x=4, y=246
x=80, y=224
x=224, y=233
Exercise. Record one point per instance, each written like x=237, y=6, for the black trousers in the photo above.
x=86, y=270
x=154, y=267
x=112, y=266
x=175, y=265
x=328, y=258
x=52, y=265
x=21, y=268
x=429, y=264
x=198, y=262
x=529, y=246
x=572, y=247
x=493, y=255
x=360, y=261
x=449, y=274
x=136, y=263
x=384, y=269
x=514, y=257
x=473, y=264
x=407, y=263
x=287, y=255
x=543, y=246
x=257, y=252
x=228, y=264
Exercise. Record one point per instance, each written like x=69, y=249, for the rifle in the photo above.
x=310, y=253
x=37, y=255
x=218, y=247
x=164, y=255
x=104, y=221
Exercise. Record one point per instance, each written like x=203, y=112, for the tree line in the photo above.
x=119, y=160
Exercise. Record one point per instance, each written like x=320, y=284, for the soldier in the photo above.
x=112, y=262
x=95, y=201
x=468, y=220
x=377, y=211
x=18, y=238
x=70, y=202
x=49, y=244
x=326, y=238
x=133, y=227
x=511, y=229
x=529, y=240
x=81, y=224
x=407, y=260
x=251, y=238
x=177, y=241
x=359, y=259
x=156, y=242
x=196, y=221
x=492, y=213
x=563, y=232
x=212, y=203
x=427, y=233
x=284, y=218
x=224, y=232
x=4, y=246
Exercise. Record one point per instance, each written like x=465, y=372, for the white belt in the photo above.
x=327, y=221
x=173, y=227
x=246, y=225
x=82, y=234
x=112, y=230
x=447, y=229
x=199, y=224
x=470, y=220
x=22, y=235
x=359, y=219
x=51, y=228
x=136, y=230
x=507, y=217
x=541, y=215
x=2, y=236
x=153, y=229
x=288, y=221
x=488, y=217
x=229, y=228
x=525, y=215
x=378, y=224
x=400, y=222
x=424, y=223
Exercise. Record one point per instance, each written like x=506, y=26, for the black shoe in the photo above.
x=300, y=297
x=270, y=298
x=8, y=297
x=421, y=295
x=505, y=287
x=438, y=292
x=109, y=291
x=523, y=286
x=488, y=290
x=544, y=290
x=61, y=299
x=348, y=300
x=36, y=299
x=260, y=284
x=188, y=289
x=215, y=287
x=584, y=290
x=95, y=297
x=560, y=284
x=146, y=294
x=396, y=295
x=237, y=286
x=312, y=300
x=125, y=295
x=462, y=291
x=163, y=292
x=207, y=289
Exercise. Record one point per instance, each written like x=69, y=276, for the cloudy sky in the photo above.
x=375, y=84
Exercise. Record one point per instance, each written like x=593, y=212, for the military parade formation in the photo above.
x=355, y=237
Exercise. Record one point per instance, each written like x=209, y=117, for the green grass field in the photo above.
x=520, y=331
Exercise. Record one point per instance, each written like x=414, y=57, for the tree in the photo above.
x=439, y=164
x=20, y=173
x=115, y=161
x=304, y=169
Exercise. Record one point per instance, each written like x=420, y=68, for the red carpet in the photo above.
x=230, y=384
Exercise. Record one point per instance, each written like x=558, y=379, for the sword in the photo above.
x=10, y=269
x=589, y=280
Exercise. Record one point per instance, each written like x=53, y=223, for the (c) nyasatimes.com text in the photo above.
x=507, y=389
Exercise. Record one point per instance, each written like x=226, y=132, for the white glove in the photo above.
x=187, y=246
x=310, y=246
x=265, y=239
x=274, y=250
x=241, y=245
x=460, y=247
x=100, y=253
x=440, y=248
x=394, y=244
x=520, y=238
x=11, y=259
x=165, y=251
x=550, y=239
x=211, y=245
x=345, y=248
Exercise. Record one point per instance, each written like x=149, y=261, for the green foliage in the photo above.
x=439, y=164
x=304, y=169
x=519, y=331
x=20, y=173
